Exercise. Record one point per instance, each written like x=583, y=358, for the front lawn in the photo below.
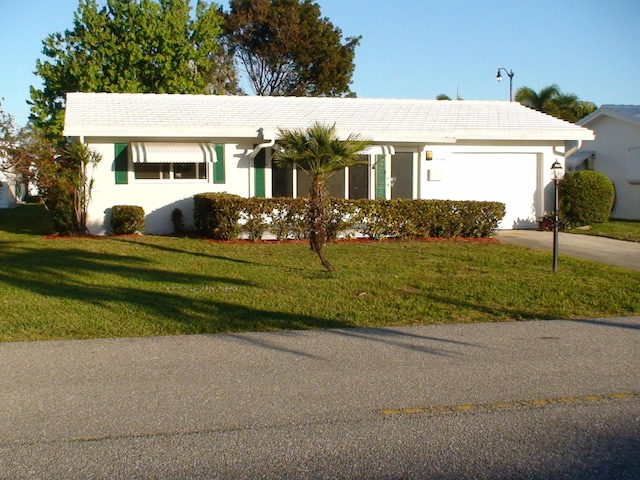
x=71, y=288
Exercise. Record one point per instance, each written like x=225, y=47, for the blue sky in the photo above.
x=418, y=48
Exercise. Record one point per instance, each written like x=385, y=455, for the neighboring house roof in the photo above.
x=382, y=120
x=626, y=113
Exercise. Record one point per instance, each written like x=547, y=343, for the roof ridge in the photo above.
x=295, y=98
x=240, y=116
x=625, y=113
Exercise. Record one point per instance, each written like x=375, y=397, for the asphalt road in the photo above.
x=548, y=399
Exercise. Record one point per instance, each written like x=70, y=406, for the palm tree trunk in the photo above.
x=317, y=220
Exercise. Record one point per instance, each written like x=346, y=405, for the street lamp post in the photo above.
x=510, y=74
x=556, y=175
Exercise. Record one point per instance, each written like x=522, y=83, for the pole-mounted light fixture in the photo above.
x=510, y=74
x=556, y=175
x=556, y=170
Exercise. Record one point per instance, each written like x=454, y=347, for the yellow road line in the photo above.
x=536, y=402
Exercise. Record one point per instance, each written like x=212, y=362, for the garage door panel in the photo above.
x=507, y=178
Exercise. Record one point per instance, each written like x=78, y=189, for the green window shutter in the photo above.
x=218, y=166
x=121, y=163
x=381, y=177
x=259, y=177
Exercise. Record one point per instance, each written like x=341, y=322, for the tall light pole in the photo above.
x=510, y=74
x=556, y=175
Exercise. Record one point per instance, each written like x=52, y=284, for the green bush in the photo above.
x=216, y=215
x=126, y=219
x=288, y=217
x=223, y=216
x=177, y=218
x=60, y=204
x=585, y=197
x=256, y=217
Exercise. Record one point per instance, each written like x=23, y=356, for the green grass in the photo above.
x=69, y=288
x=628, y=230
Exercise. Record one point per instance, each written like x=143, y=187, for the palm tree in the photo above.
x=319, y=153
x=552, y=101
x=537, y=100
x=565, y=106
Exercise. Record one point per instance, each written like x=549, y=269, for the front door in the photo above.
x=402, y=175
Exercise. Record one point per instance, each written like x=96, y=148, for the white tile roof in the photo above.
x=628, y=113
x=382, y=120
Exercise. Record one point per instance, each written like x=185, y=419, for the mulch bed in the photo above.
x=240, y=241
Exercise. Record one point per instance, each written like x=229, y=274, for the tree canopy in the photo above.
x=287, y=48
x=134, y=46
x=552, y=101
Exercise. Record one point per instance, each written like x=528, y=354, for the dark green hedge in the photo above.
x=225, y=217
x=216, y=215
x=126, y=219
x=586, y=197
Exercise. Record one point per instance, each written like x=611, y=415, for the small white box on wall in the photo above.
x=435, y=174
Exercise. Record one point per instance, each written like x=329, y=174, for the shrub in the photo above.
x=221, y=216
x=126, y=219
x=216, y=215
x=256, y=217
x=60, y=204
x=177, y=218
x=585, y=197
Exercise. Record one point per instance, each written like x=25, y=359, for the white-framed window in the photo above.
x=350, y=182
x=170, y=171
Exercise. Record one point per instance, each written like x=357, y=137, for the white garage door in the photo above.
x=508, y=178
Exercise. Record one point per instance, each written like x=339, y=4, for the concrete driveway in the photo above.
x=597, y=249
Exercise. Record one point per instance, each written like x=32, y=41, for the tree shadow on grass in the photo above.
x=163, y=248
x=497, y=313
x=170, y=301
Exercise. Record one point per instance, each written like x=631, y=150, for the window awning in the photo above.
x=577, y=158
x=172, y=152
x=379, y=150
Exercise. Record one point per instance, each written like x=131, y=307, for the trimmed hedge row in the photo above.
x=226, y=217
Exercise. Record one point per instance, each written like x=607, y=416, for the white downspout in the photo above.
x=260, y=146
x=569, y=152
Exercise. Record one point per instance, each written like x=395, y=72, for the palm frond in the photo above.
x=318, y=151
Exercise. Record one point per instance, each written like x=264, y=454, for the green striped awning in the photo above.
x=172, y=152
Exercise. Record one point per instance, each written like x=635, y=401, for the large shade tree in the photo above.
x=134, y=46
x=287, y=48
x=552, y=101
x=319, y=153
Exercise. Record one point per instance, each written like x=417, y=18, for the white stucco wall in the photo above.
x=158, y=198
x=519, y=176
x=7, y=190
x=614, y=139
